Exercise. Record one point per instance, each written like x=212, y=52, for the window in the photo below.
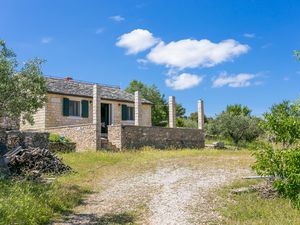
x=130, y=113
x=127, y=112
x=74, y=108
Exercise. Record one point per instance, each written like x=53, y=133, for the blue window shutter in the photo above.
x=66, y=104
x=84, y=108
x=124, y=112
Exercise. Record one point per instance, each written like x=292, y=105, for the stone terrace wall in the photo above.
x=83, y=135
x=15, y=138
x=132, y=137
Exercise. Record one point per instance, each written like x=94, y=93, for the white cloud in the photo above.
x=249, y=35
x=190, y=53
x=137, y=41
x=235, y=81
x=117, y=18
x=99, y=30
x=46, y=40
x=183, y=81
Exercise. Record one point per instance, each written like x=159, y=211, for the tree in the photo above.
x=160, y=109
x=238, y=109
x=238, y=127
x=297, y=54
x=151, y=93
x=282, y=123
x=22, y=92
x=236, y=124
x=194, y=116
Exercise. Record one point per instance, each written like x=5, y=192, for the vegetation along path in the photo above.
x=170, y=188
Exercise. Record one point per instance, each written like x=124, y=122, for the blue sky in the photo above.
x=225, y=52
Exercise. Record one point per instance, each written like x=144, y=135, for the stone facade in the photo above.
x=39, y=121
x=137, y=109
x=83, y=135
x=51, y=115
x=133, y=137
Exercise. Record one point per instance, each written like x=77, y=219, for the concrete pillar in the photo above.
x=172, y=113
x=200, y=115
x=137, y=109
x=97, y=114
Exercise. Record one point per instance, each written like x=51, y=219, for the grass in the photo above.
x=250, y=208
x=27, y=202
x=36, y=203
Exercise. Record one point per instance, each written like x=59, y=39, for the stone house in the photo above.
x=95, y=116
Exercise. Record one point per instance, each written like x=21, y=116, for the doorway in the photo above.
x=105, y=117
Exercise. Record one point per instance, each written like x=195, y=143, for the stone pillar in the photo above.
x=200, y=115
x=172, y=113
x=137, y=109
x=97, y=114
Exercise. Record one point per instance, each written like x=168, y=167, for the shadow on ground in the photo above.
x=91, y=219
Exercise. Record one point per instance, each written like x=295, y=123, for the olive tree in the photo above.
x=22, y=91
x=282, y=123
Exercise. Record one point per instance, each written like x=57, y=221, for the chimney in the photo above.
x=68, y=78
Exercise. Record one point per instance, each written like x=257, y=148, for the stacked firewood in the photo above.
x=34, y=162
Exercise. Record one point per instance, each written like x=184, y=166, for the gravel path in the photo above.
x=167, y=195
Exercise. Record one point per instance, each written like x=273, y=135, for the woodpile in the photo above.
x=33, y=162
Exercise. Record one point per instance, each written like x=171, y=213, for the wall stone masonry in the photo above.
x=62, y=147
x=15, y=138
x=133, y=137
x=83, y=135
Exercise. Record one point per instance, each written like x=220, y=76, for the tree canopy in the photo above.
x=160, y=109
x=22, y=92
x=282, y=123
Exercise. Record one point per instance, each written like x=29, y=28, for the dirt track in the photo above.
x=171, y=193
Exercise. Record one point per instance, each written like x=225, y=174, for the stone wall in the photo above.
x=9, y=124
x=132, y=137
x=114, y=135
x=62, y=147
x=83, y=135
x=15, y=138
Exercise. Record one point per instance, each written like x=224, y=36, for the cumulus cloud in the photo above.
x=117, y=18
x=183, y=81
x=235, y=81
x=46, y=40
x=189, y=53
x=137, y=41
x=249, y=35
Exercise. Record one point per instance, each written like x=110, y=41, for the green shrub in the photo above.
x=57, y=138
x=285, y=166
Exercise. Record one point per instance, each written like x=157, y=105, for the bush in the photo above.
x=57, y=138
x=282, y=123
x=285, y=166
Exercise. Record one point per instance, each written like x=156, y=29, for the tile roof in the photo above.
x=80, y=88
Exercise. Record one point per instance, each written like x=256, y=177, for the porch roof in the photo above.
x=85, y=89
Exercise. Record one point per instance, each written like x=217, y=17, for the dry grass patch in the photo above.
x=251, y=208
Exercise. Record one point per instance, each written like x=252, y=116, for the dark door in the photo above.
x=105, y=112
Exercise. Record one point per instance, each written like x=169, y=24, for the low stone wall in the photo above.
x=15, y=138
x=133, y=137
x=62, y=147
x=83, y=135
